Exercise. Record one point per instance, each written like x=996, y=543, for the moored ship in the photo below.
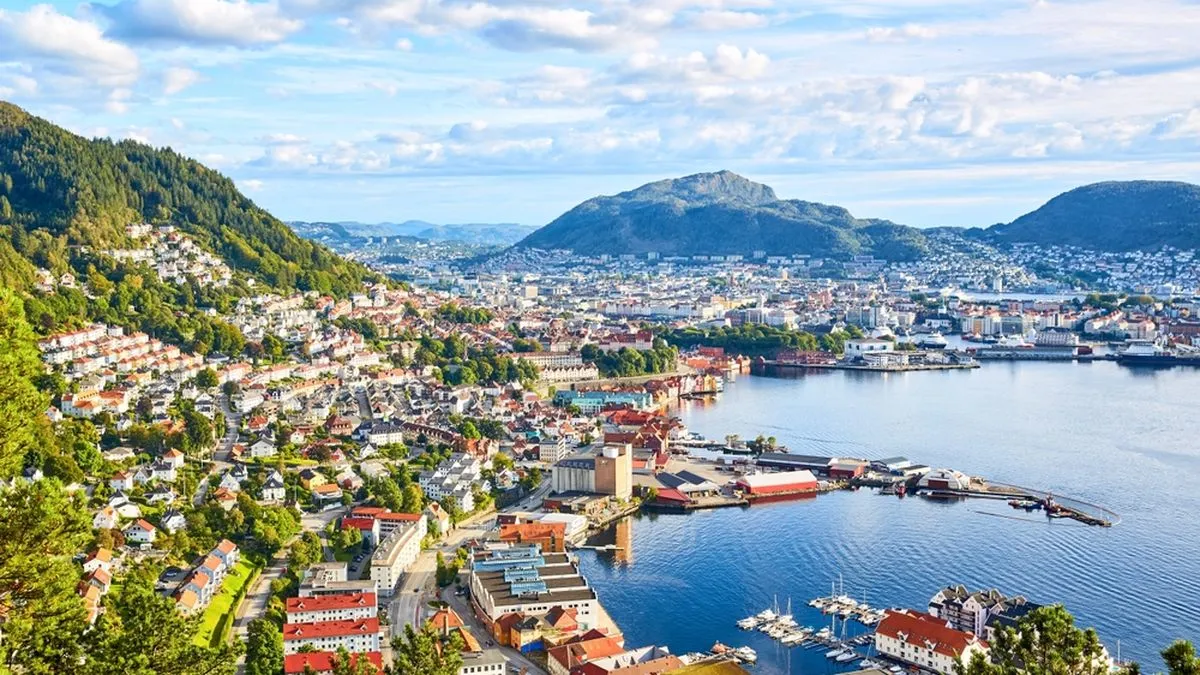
x=1148, y=353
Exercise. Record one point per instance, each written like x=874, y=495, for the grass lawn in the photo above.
x=342, y=556
x=220, y=613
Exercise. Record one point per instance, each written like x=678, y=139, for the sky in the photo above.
x=927, y=112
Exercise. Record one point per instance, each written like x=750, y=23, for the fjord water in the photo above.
x=1126, y=439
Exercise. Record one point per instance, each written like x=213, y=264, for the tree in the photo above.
x=142, y=633
x=418, y=653
x=23, y=426
x=41, y=528
x=1044, y=642
x=414, y=499
x=264, y=648
x=1181, y=658
x=207, y=379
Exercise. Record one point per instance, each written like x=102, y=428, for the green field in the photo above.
x=220, y=613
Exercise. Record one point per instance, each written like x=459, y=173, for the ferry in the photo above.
x=1150, y=353
x=934, y=340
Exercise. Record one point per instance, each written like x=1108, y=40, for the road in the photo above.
x=220, y=460
x=534, y=500
x=364, y=405
x=258, y=598
x=418, y=586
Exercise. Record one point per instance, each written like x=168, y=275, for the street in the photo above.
x=220, y=460
x=418, y=586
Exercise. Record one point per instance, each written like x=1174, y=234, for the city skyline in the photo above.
x=515, y=110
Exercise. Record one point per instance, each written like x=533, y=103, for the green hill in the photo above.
x=1112, y=216
x=60, y=192
x=720, y=213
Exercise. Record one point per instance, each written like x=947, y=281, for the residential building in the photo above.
x=321, y=663
x=341, y=607
x=396, y=553
x=359, y=635
x=925, y=641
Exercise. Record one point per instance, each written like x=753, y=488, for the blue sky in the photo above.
x=928, y=112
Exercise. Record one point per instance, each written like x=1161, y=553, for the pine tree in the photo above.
x=23, y=424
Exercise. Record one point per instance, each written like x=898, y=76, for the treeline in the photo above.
x=758, y=339
x=461, y=314
x=462, y=364
x=628, y=362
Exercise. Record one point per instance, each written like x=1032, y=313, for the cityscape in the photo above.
x=596, y=419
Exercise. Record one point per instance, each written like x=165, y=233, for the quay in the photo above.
x=881, y=368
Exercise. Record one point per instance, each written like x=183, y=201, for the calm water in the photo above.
x=1099, y=432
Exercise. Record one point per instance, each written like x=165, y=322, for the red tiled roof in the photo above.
x=406, y=517
x=358, y=523
x=330, y=602
x=302, y=631
x=575, y=653
x=926, y=632
x=445, y=619
x=320, y=662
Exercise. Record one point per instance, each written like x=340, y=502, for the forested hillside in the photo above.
x=62, y=196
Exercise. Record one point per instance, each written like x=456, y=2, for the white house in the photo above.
x=262, y=449
x=106, y=519
x=172, y=521
x=140, y=532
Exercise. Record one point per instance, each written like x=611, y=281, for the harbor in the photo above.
x=1057, y=426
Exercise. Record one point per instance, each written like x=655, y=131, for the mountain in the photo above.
x=480, y=234
x=720, y=213
x=1112, y=216
x=62, y=195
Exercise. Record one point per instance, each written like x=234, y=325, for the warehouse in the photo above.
x=787, y=482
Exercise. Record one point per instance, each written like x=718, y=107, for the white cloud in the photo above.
x=222, y=22
x=251, y=185
x=62, y=45
x=721, y=20
x=404, y=45
x=909, y=31
x=176, y=80
x=730, y=61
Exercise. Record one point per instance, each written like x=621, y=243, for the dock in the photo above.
x=911, y=367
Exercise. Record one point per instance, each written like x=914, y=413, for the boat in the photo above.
x=834, y=653
x=748, y=623
x=1152, y=354
x=846, y=656
x=718, y=648
x=746, y=654
x=824, y=633
x=934, y=340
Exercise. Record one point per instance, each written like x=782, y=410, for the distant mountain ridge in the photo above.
x=721, y=213
x=1112, y=216
x=481, y=234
